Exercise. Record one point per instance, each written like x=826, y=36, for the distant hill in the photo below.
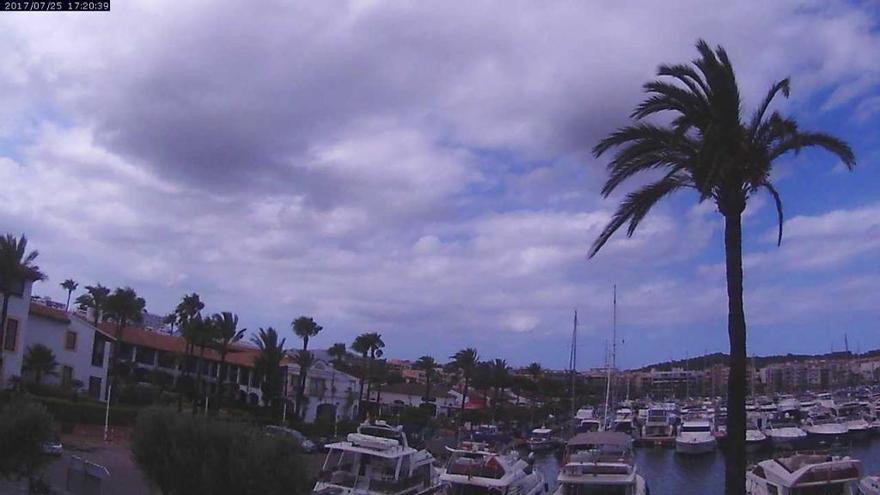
x=709, y=360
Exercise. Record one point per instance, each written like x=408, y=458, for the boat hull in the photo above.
x=686, y=447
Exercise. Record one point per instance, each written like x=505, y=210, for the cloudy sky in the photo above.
x=422, y=169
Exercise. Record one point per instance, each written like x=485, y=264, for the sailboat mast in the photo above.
x=572, y=365
x=613, y=338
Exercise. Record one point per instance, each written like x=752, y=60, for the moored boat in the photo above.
x=785, y=434
x=377, y=460
x=473, y=469
x=600, y=463
x=804, y=474
x=695, y=437
x=541, y=439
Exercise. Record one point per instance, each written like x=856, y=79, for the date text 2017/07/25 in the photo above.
x=54, y=6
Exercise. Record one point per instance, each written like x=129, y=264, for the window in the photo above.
x=66, y=375
x=11, y=335
x=95, y=387
x=98, y=351
x=70, y=340
x=145, y=355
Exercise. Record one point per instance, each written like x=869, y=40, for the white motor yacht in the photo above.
x=586, y=420
x=657, y=424
x=695, y=437
x=785, y=434
x=851, y=414
x=822, y=427
x=804, y=474
x=541, y=439
x=475, y=470
x=623, y=421
x=377, y=460
x=600, y=463
x=755, y=438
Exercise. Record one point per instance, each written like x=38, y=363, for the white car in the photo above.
x=304, y=443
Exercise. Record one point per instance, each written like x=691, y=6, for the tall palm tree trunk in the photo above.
x=67, y=307
x=464, y=395
x=3, y=316
x=735, y=460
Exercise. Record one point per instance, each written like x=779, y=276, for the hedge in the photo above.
x=88, y=412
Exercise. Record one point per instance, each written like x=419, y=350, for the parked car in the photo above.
x=53, y=446
x=304, y=443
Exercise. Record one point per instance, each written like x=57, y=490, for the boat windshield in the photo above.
x=466, y=489
x=594, y=489
x=695, y=429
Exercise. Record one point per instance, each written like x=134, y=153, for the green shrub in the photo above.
x=182, y=454
x=24, y=427
x=88, y=412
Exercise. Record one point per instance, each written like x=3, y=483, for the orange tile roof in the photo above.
x=239, y=354
x=47, y=312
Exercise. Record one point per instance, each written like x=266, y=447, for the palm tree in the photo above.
x=304, y=359
x=95, y=299
x=361, y=346
x=535, y=371
x=69, y=285
x=466, y=360
x=40, y=361
x=429, y=366
x=500, y=379
x=123, y=307
x=375, y=344
x=337, y=352
x=226, y=333
x=188, y=309
x=710, y=148
x=305, y=328
x=16, y=266
x=267, y=364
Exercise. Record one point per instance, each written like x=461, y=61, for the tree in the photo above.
x=69, y=285
x=500, y=379
x=188, y=309
x=429, y=366
x=305, y=360
x=94, y=300
x=466, y=361
x=16, y=266
x=226, y=333
x=708, y=147
x=337, y=352
x=182, y=454
x=305, y=328
x=267, y=364
x=535, y=372
x=362, y=347
x=123, y=306
x=26, y=426
x=370, y=346
x=39, y=360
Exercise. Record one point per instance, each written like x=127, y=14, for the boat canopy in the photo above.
x=600, y=438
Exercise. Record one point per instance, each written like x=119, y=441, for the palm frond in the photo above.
x=636, y=206
x=778, y=200
x=758, y=116
x=816, y=139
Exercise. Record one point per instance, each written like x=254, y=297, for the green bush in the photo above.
x=24, y=427
x=88, y=412
x=182, y=454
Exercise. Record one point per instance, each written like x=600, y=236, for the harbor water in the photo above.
x=670, y=474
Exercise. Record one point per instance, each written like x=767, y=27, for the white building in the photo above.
x=329, y=393
x=398, y=395
x=11, y=341
x=81, y=350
